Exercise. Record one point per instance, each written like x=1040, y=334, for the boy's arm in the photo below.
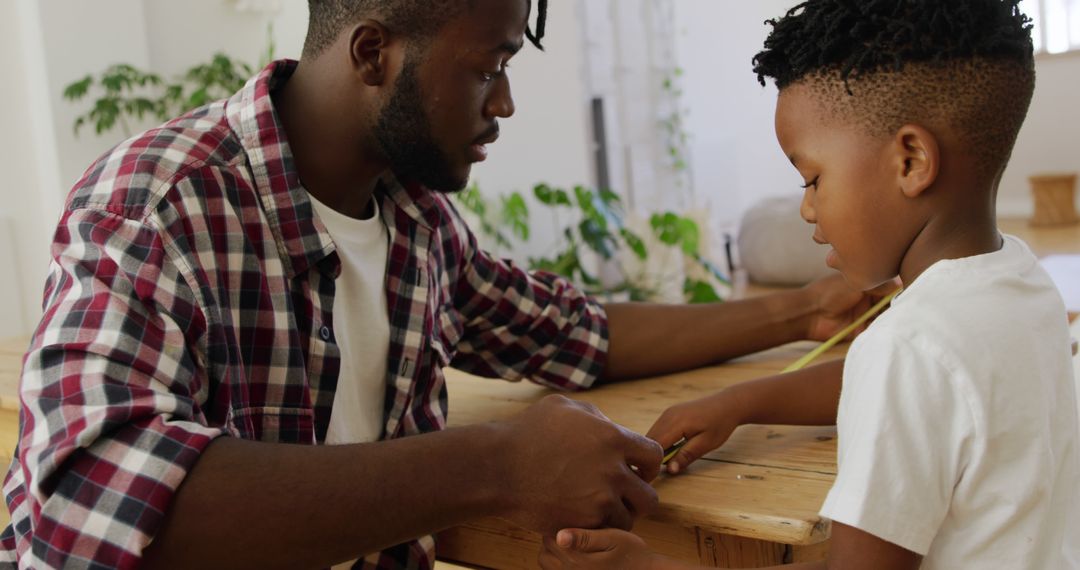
x=806, y=397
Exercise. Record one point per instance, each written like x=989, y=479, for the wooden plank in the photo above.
x=9, y=436
x=442, y=565
x=765, y=483
x=490, y=543
x=782, y=447
x=812, y=553
x=494, y=543
x=635, y=404
x=723, y=551
x=776, y=505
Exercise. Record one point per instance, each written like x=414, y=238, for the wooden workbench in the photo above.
x=753, y=502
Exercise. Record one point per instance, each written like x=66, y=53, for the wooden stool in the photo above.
x=1055, y=199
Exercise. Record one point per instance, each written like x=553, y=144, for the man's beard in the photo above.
x=404, y=132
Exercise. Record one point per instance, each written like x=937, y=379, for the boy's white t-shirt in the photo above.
x=958, y=419
x=361, y=325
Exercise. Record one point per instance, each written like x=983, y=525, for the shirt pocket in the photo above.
x=449, y=329
x=274, y=424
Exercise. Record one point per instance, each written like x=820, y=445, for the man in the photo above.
x=282, y=268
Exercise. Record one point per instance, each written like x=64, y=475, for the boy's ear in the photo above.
x=369, y=51
x=918, y=159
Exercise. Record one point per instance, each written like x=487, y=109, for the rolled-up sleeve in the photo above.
x=110, y=421
x=519, y=324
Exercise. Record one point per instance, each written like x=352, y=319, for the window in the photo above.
x=1056, y=24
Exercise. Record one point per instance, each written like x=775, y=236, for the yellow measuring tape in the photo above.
x=810, y=356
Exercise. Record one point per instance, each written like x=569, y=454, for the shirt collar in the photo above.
x=301, y=240
x=414, y=200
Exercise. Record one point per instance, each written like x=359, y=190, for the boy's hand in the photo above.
x=601, y=548
x=705, y=423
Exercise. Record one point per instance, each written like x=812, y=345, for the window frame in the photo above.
x=1041, y=34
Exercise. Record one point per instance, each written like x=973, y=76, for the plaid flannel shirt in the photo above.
x=190, y=296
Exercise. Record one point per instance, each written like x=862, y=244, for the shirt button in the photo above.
x=324, y=332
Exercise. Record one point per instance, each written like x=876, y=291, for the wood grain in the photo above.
x=766, y=483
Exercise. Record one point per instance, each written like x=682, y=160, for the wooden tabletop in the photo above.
x=766, y=483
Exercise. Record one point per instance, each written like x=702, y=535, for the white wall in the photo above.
x=180, y=34
x=630, y=53
x=51, y=43
x=80, y=38
x=1050, y=139
x=736, y=158
x=163, y=36
x=17, y=162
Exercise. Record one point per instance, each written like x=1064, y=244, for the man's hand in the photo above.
x=706, y=424
x=568, y=465
x=838, y=304
x=604, y=548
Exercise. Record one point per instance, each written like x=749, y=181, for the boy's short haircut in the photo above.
x=964, y=67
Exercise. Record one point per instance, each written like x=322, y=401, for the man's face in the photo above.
x=851, y=193
x=450, y=94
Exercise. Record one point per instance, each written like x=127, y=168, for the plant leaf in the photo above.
x=544, y=194
x=666, y=227
x=700, y=292
x=516, y=213
x=78, y=89
x=597, y=237
x=636, y=244
x=689, y=235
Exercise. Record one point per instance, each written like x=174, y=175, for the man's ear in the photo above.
x=369, y=51
x=918, y=159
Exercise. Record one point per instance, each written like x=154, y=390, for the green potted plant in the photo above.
x=595, y=227
x=122, y=93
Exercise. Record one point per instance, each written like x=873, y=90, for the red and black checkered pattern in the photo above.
x=190, y=297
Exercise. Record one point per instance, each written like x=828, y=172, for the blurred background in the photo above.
x=641, y=141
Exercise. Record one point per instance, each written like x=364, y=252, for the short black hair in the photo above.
x=965, y=63
x=422, y=18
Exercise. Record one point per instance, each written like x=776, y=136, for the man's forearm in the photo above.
x=650, y=339
x=259, y=505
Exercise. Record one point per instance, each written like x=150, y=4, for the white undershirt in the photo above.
x=361, y=324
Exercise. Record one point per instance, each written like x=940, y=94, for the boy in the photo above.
x=957, y=419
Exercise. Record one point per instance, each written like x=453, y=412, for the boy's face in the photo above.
x=851, y=194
